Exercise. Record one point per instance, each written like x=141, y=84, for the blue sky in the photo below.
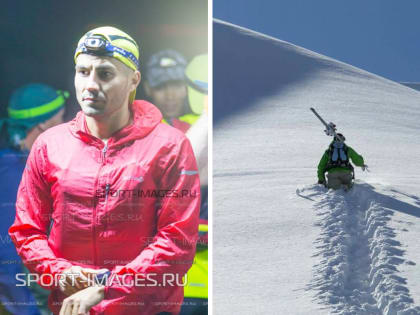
x=380, y=36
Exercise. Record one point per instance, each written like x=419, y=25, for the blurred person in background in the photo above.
x=180, y=92
x=196, y=75
x=166, y=87
x=32, y=109
x=196, y=289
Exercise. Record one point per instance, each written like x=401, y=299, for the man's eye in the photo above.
x=83, y=72
x=179, y=85
x=106, y=74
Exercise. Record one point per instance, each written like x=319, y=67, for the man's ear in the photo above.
x=147, y=89
x=136, y=78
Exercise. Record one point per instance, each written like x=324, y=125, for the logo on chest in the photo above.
x=138, y=179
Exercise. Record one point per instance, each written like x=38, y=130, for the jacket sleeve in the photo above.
x=322, y=165
x=356, y=158
x=173, y=247
x=33, y=213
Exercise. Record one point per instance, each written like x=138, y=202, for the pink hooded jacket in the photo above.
x=130, y=206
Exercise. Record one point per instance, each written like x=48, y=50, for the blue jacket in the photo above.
x=16, y=299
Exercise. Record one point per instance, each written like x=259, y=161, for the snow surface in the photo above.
x=282, y=244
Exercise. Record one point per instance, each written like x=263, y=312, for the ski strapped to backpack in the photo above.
x=331, y=128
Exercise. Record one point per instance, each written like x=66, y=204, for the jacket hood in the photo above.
x=146, y=117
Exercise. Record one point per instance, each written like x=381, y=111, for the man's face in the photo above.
x=103, y=84
x=170, y=98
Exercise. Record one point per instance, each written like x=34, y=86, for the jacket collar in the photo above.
x=146, y=117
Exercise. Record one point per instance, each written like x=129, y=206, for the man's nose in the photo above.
x=92, y=83
x=170, y=92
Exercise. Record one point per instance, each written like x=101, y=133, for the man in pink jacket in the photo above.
x=112, y=196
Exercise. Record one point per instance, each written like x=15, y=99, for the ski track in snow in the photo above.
x=359, y=255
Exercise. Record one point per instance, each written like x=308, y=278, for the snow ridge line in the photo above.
x=359, y=256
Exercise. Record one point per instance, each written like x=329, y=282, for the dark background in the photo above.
x=38, y=38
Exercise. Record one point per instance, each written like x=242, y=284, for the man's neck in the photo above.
x=104, y=127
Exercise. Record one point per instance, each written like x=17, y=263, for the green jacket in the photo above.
x=322, y=166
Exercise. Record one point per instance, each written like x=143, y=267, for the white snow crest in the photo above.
x=359, y=255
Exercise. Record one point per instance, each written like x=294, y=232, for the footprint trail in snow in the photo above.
x=358, y=253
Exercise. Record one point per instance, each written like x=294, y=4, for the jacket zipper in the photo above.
x=95, y=249
x=104, y=152
x=107, y=187
x=106, y=193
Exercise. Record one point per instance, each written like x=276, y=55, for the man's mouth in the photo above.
x=171, y=107
x=91, y=99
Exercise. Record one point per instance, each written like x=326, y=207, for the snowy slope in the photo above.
x=283, y=245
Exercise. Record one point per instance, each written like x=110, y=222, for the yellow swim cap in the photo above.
x=112, y=42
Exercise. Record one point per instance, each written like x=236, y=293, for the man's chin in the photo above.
x=172, y=114
x=93, y=112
